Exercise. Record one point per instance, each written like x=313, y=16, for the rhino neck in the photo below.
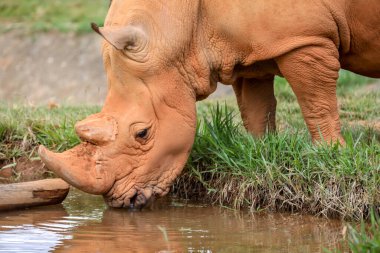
x=216, y=55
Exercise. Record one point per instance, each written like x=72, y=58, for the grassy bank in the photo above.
x=52, y=15
x=281, y=171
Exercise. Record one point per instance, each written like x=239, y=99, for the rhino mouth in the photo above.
x=137, y=201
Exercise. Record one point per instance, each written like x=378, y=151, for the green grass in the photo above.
x=52, y=15
x=282, y=172
x=367, y=238
x=22, y=129
x=361, y=238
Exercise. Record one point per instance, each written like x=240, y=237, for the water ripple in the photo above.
x=84, y=224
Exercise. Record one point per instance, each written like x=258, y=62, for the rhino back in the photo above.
x=273, y=27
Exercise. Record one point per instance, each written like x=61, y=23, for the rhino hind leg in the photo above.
x=312, y=73
x=257, y=104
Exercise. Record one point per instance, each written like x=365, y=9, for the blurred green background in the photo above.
x=52, y=15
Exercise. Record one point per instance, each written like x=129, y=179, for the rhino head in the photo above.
x=139, y=142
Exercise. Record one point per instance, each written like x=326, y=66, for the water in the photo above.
x=84, y=224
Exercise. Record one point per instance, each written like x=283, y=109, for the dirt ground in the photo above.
x=58, y=68
x=23, y=170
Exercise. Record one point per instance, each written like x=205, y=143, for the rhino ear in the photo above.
x=129, y=38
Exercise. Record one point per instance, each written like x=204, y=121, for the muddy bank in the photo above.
x=58, y=68
x=23, y=170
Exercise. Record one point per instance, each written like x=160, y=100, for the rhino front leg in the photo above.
x=257, y=104
x=312, y=73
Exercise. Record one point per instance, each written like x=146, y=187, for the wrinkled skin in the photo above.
x=162, y=56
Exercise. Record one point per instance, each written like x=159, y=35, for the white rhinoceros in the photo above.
x=163, y=56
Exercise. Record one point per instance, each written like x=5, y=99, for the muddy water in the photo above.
x=84, y=224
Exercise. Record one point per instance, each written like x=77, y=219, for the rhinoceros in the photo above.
x=162, y=56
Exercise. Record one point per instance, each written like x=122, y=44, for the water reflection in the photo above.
x=38, y=231
x=84, y=224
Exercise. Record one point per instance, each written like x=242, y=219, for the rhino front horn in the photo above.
x=97, y=129
x=78, y=167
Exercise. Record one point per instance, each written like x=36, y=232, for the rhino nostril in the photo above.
x=133, y=201
x=138, y=201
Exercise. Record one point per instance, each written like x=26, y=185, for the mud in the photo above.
x=84, y=224
x=22, y=170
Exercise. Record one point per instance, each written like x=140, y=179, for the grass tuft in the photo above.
x=282, y=172
x=22, y=129
x=367, y=238
x=361, y=238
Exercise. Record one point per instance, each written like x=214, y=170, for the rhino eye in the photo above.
x=142, y=134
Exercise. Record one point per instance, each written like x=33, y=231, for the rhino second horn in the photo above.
x=97, y=129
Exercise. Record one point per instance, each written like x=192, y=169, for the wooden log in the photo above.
x=34, y=193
